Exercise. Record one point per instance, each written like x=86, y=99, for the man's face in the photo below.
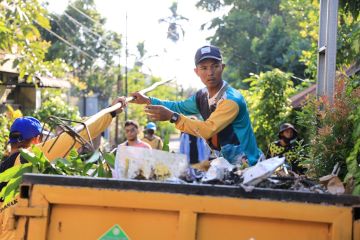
x=210, y=71
x=131, y=132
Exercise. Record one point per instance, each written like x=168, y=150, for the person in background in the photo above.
x=195, y=148
x=132, y=135
x=149, y=137
x=286, y=147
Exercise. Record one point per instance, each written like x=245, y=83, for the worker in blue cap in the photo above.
x=27, y=131
x=24, y=132
x=150, y=137
x=225, y=120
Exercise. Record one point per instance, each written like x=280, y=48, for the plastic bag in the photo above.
x=143, y=163
x=217, y=170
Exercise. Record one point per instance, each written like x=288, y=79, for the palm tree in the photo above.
x=174, y=27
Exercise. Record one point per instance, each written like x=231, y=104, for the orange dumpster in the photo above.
x=63, y=207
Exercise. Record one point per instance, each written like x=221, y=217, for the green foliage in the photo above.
x=6, y=119
x=54, y=105
x=19, y=34
x=166, y=142
x=350, y=6
x=77, y=28
x=93, y=164
x=94, y=66
x=328, y=129
x=353, y=169
x=256, y=36
x=4, y=133
x=353, y=160
x=348, y=39
x=268, y=102
x=305, y=14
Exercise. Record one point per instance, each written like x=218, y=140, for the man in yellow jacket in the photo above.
x=226, y=123
x=26, y=131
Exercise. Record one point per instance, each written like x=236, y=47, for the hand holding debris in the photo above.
x=123, y=102
x=140, y=98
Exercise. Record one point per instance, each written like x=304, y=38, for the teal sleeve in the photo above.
x=186, y=107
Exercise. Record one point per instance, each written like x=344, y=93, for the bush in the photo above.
x=269, y=104
x=6, y=119
x=54, y=105
x=329, y=128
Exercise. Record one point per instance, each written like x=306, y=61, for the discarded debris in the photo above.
x=332, y=181
x=218, y=168
x=262, y=170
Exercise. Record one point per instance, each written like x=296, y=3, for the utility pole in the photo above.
x=126, y=63
x=326, y=66
x=119, y=93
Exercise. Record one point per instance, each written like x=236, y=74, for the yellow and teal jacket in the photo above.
x=227, y=123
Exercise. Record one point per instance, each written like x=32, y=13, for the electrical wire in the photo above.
x=88, y=30
x=66, y=41
x=71, y=29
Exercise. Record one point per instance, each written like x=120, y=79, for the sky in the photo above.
x=173, y=60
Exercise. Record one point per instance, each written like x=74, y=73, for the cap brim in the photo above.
x=208, y=57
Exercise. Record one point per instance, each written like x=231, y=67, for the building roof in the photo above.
x=298, y=100
x=53, y=82
x=46, y=82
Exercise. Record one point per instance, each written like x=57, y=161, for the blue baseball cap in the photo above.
x=26, y=127
x=207, y=52
x=151, y=126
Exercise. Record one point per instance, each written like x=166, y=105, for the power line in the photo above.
x=81, y=25
x=66, y=41
x=87, y=29
x=84, y=14
x=64, y=32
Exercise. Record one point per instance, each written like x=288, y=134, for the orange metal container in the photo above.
x=55, y=207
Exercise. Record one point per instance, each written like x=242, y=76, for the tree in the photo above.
x=20, y=36
x=53, y=104
x=268, y=103
x=305, y=14
x=95, y=48
x=255, y=36
x=173, y=21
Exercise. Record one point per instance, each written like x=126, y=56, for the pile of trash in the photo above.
x=271, y=173
x=145, y=164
